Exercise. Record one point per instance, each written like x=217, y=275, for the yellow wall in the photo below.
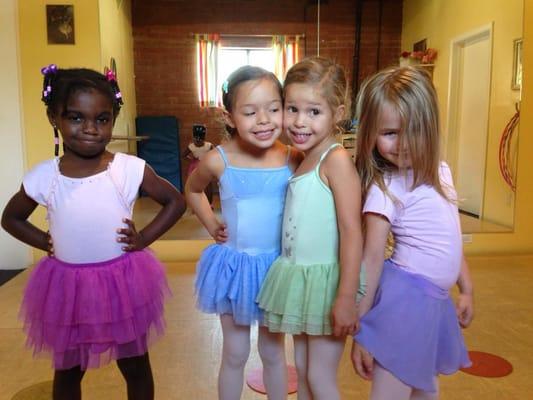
x=101, y=30
x=116, y=40
x=92, y=50
x=441, y=21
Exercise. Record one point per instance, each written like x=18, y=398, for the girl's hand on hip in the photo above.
x=220, y=233
x=132, y=239
x=50, y=247
x=344, y=316
x=362, y=361
x=465, y=309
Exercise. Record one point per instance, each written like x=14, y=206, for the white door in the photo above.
x=471, y=73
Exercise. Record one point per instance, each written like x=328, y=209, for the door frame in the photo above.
x=454, y=85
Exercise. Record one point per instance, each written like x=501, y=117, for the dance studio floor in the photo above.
x=186, y=359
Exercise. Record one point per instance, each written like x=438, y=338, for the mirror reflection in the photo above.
x=474, y=57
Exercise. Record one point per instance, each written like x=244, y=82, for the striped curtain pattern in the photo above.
x=286, y=51
x=207, y=46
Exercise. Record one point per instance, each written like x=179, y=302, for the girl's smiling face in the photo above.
x=257, y=113
x=308, y=118
x=86, y=123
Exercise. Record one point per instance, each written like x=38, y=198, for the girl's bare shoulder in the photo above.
x=213, y=162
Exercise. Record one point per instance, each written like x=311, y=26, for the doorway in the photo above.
x=468, y=116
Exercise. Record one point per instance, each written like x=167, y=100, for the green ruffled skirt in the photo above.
x=298, y=298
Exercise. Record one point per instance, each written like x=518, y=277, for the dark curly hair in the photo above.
x=60, y=84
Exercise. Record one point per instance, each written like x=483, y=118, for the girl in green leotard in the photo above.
x=310, y=290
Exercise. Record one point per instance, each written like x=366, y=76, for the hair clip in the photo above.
x=49, y=69
x=110, y=75
x=112, y=79
x=225, y=86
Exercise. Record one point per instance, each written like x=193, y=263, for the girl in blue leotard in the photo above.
x=252, y=169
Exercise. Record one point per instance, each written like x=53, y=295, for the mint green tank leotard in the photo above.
x=301, y=285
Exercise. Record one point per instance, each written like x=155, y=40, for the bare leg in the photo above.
x=235, y=352
x=272, y=351
x=386, y=386
x=324, y=355
x=139, y=379
x=300, y=359
x=421, y=395
x=67, y=384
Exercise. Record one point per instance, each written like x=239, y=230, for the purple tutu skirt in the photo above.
x=90, y=314
x=228, y=282
x=412, y=329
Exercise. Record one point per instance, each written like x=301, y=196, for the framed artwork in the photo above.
x=421, y=45
x=516, y=83
x=60, y=24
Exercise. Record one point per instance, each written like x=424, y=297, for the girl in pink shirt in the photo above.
x=98, y=295
x=410, y=330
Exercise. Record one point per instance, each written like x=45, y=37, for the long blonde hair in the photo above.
x=410, y=91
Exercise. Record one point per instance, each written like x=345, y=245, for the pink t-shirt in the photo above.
x=84, y=213
x=425, y=226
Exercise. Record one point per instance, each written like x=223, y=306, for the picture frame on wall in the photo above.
x=516, y=83
x=60, y=24
x=421, y=45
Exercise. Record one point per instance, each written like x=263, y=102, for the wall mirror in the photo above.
x=477, y=73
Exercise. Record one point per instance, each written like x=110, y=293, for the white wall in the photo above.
x=13, y=254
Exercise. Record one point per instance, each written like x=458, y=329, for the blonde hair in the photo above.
x=411, y=93
x=324, y=74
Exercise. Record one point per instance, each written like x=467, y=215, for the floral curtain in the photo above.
x=286, y=50
x=207, y=47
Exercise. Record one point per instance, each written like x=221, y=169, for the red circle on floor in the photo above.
x=488, y=365
x=254, y=379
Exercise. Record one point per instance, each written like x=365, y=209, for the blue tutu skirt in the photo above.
x=412, y=329
x=228, y=281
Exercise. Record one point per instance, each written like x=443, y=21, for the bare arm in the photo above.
x=173, y=207
x=465, y=301
x=346, y=188
x=377, y=230
x=15, y=222
x=210, y=167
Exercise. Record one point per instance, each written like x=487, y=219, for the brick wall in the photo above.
x=164, y=48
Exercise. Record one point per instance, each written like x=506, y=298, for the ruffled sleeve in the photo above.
x=38, y=181
x=128, y=172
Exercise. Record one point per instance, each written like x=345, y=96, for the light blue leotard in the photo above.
x=230, y=275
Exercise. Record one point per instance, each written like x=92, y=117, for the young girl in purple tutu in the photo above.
x=410, y=330
x=252, y=169
x=98, y=295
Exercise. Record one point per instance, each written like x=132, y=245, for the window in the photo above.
x=231, y=58
x=218, y=56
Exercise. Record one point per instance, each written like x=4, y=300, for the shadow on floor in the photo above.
x=7, y=274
